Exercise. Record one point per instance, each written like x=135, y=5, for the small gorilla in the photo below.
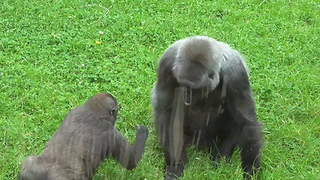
x=202, y=97
x=86, y=137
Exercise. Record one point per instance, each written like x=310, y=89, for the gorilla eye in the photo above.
x=211, y=75
x=112, y=111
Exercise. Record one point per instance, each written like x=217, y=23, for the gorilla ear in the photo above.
x=213, y=80
x=211, y=75
x=112, y=111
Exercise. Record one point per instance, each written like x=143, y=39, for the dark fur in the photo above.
x=220, y=90
x=86, y=137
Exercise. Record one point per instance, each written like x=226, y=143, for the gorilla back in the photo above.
x=217, y=108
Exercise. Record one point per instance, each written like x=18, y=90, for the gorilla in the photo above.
x=202, y=97
x=86, y=137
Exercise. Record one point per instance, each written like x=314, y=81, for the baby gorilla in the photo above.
x=86, y=137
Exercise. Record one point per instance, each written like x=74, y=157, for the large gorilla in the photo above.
x=86, y=137
x=202, y=97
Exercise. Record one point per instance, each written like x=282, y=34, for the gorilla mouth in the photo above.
x=188, y=96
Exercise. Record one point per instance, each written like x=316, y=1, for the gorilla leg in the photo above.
x=228, y=137
x=225, y=149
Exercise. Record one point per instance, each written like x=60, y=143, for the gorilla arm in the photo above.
x=102, y=139
x=129, y=156
x=163, y=95
x=163, y=92
x=242, y=105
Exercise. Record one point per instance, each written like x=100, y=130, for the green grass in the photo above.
x=50, y=62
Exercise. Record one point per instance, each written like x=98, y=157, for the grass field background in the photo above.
x=55, y=54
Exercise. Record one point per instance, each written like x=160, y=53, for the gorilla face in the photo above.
x=196, y=79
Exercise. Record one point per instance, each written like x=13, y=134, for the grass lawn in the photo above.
x=55, y=54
